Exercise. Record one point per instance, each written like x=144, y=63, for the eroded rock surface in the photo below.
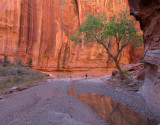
x=148, y=14
x=40, y=30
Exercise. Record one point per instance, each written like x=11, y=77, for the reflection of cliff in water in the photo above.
x=109, y=110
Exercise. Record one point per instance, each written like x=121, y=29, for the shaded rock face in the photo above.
x=148, y=14
x=40, y=30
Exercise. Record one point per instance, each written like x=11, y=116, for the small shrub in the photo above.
x=4, y=71
x=18, y=64
x=125, y=72
x=5, y=62
x=11, y=70
x=30, y=63
x=62, y=75
x=1, y=62
x=113, y=77
x=127, y=80
x=141, y=59
x=19, y=75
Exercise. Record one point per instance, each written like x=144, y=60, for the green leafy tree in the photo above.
x=30, y=63
x=117, y=31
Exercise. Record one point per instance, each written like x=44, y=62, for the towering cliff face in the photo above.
x=148, y=13
x=40, y=30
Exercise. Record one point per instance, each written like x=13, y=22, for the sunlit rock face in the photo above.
x=40, y=30
x=148, y=13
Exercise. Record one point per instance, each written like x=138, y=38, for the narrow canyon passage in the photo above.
x=37, y=34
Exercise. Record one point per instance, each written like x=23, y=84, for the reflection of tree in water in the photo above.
x=117, y=109
x=109, y=110
x=122, y=113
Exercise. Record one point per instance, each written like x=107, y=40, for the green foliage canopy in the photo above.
x=117, y=31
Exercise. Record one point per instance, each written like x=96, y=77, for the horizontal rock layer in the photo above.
x=40, y=30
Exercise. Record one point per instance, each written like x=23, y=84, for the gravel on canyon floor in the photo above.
x=50, y=104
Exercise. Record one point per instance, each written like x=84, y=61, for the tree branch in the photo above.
x=120, y=50
x=108, y=43
x=124, y=46
x=107, y=49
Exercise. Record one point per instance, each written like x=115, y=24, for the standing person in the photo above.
x=86, y=75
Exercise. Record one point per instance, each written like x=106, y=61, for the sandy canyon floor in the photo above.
x=76, y=101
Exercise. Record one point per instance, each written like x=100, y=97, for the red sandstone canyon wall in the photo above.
x=40, y=30
x=148, y=14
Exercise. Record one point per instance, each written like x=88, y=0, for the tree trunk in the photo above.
x=119, y=69
x=115, y=59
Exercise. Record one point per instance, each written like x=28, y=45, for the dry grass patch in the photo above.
x=17, y=75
